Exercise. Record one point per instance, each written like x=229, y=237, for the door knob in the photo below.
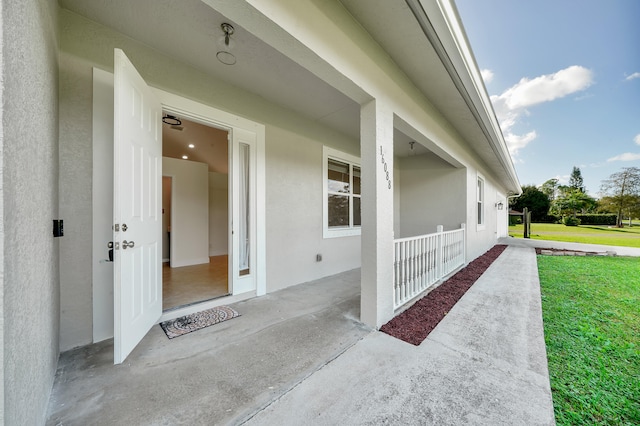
x=127, y=244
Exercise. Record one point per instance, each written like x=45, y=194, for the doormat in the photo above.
x=188, y=323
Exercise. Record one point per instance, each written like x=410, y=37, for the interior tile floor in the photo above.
x=189, y=284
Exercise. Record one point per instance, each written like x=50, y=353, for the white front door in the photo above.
x=137, y=201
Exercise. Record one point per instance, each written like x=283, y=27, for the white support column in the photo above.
x=376, y=152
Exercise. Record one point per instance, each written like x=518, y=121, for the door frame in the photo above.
x=102, y=142
x=235, y=126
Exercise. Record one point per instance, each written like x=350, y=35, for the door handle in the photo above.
x=127, y=244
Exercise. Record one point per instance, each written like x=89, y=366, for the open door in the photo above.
x=137, y=201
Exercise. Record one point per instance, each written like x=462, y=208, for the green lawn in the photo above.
x=591, y=311
x=589, y=234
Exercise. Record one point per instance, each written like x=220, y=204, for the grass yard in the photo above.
x=587, y=234
x=591, y=311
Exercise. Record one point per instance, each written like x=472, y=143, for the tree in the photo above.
x=550, y=189
x=572, y=200
x=609, y=205
x=622, y=189
x=535, y=200
x=575, y=180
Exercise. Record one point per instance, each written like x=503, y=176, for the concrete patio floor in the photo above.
x=301, y=356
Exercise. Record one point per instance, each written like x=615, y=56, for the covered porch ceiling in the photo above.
x=188, y=30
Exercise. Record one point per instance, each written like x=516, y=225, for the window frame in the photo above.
x=481, y=204
x=352, y=161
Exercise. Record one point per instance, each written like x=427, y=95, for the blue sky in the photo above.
x=564, y=78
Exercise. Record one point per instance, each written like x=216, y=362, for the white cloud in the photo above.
x=517, y=142
x=627, y=156
x=637, y=139
x=632, y=76
x=547, y=87
x=512, y=104
x=487, y=75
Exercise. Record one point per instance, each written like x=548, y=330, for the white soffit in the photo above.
x=187, y=31
x=394, y=25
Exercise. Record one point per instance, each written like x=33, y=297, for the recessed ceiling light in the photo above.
x=191, y=145
x=184, y=157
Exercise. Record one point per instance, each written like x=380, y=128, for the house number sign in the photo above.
x=386, y=171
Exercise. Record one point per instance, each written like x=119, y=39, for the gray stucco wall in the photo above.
x=30, y=283
x=293, y=165
x=432, y=193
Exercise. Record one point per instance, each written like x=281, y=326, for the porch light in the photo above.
x=225, y=44
x=500, y=205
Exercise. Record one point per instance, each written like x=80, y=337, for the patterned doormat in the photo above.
x=188, y=323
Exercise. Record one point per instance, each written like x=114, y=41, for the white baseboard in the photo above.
x=189, y=262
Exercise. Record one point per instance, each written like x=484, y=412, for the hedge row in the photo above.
x=597, y=219
x=585, y=219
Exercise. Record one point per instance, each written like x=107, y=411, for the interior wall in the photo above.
x=432, y=193
x=218, y=214
x=29, y=197
x=189, y=211
x=166, y=216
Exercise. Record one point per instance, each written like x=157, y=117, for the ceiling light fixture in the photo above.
x=184, y=157
x=411, y=152
x=172, y=120
x=191, y=145
x=225, y=44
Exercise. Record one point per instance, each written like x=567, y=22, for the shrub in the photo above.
x=515, y=220
x=549, y=219
x=597, y=219
x=571, y=221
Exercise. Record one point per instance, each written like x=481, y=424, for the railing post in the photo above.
x=440, y=258
x=463, y=226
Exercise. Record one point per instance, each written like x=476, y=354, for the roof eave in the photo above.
x=441, y=24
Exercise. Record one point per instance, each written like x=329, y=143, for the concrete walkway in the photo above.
x=300, y=356
x=598, y=248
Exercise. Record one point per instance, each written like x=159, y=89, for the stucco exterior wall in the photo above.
x=30, y=274
x=320, y=26
x=293, y=146
x=432, y=193
x=294, y=213
x=481, y=238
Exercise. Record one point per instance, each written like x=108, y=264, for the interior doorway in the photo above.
x=195, y=212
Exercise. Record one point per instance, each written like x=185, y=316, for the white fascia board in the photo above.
x=441, y=19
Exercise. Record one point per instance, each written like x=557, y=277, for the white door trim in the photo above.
x=102, y=214
x=217, y=118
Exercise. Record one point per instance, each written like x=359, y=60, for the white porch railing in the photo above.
x=420, y=262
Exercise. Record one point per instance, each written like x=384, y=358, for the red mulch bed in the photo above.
x=415, y=324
